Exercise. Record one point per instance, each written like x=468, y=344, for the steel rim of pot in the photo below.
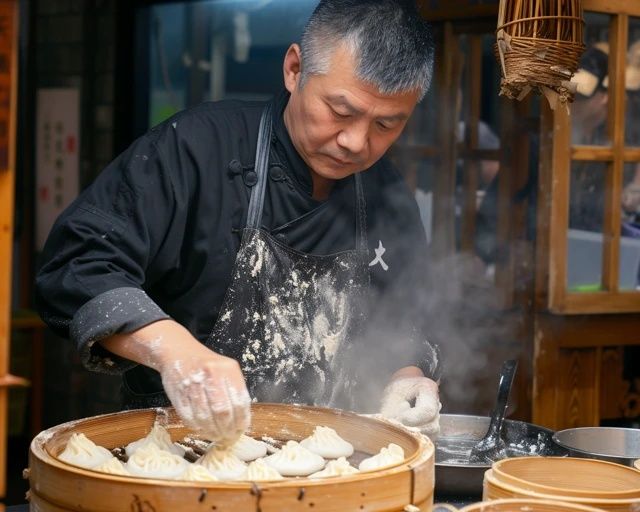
x=592, y=454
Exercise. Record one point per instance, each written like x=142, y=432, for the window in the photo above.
x=592, y=169
x=212, y=50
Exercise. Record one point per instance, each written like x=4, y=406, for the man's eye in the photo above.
x=339, y=115
x=383, y=126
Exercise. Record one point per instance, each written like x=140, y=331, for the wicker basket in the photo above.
x=539, y=44
x=56, y=486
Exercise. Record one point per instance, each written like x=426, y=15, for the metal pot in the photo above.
x=455, y=476
x=613, y=444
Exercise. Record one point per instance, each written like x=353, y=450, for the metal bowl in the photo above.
x=456, y=476
x=613, y=444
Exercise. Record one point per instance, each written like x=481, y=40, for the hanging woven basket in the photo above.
x=539, y=44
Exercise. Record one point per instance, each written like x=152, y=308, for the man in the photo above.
x=241, y=244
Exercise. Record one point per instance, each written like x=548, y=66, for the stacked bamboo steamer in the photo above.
x=587, y=482
x=527, y=505
x=56, y=486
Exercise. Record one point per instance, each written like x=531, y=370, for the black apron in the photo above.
x=289, y=318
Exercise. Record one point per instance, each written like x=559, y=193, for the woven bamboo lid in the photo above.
x=567, y=476
x=494, y=489
x=527, y=505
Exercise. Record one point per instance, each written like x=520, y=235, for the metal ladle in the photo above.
x=491, y=447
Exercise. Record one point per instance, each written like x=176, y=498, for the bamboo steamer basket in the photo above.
x=566, y=476
x=494, y=489
x=527, y=505
x=57, y=486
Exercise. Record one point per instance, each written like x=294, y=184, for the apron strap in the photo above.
x=254, y=215
x=256, y=202
x=361, y=216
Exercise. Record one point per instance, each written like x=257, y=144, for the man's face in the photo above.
x=339, y=124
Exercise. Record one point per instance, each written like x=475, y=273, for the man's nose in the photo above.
x=354, y=138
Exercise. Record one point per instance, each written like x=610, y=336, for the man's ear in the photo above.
x=292, y=67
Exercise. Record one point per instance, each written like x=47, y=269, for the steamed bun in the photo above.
x=327, y=443
x=82, y=451
x=295, y=460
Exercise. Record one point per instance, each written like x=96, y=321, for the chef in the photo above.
x=243, y=250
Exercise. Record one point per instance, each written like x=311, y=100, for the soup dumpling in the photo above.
x=387, y=456
x=151, y=462
x=327, y=443
x=295, y=460
x=82, y=451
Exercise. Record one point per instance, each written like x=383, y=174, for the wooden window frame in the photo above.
x=557, y=153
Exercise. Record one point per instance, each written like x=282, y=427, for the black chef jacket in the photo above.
x=156, y=235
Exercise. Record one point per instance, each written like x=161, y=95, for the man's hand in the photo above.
x=207, y=389
x=412, y=399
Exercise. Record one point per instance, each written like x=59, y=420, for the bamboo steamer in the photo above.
x=565, y=476
x=527, y=505
x=57, y=486
x=495, y=489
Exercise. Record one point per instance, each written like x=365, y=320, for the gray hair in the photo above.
x=392, y=43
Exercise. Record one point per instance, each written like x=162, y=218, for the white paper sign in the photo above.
x=57, y=159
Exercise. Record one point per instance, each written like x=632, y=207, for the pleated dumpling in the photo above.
x=247, y=448
x=82, y=451
x=223, y=463
x=338, y=467
x=197, y=473
x=113, y=467
x=159, y=436
x=258, y=471
x=152, y=462
x=295, y=460
x=387, y=456
x=327, y=443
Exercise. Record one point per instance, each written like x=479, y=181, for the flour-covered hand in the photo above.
x=413, y=400
x=207, y=390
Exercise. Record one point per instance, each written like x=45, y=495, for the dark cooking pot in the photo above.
x=456, y=476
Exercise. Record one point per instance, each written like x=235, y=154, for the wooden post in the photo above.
x=473, y=94
x=8, y=81
x=448, y=78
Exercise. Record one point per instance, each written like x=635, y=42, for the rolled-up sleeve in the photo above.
x=101, y=252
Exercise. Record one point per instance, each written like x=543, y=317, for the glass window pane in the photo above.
x=630, y=233
x=215, y=49
x=589, y=110
x=586, y=219
x=632, y=85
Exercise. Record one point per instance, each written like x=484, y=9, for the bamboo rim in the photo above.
x=532, y=505
x=516, y=492
x=410, y=482
x=68, y=428
x=501, y=473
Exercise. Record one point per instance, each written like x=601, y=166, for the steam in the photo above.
x=458, y=307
